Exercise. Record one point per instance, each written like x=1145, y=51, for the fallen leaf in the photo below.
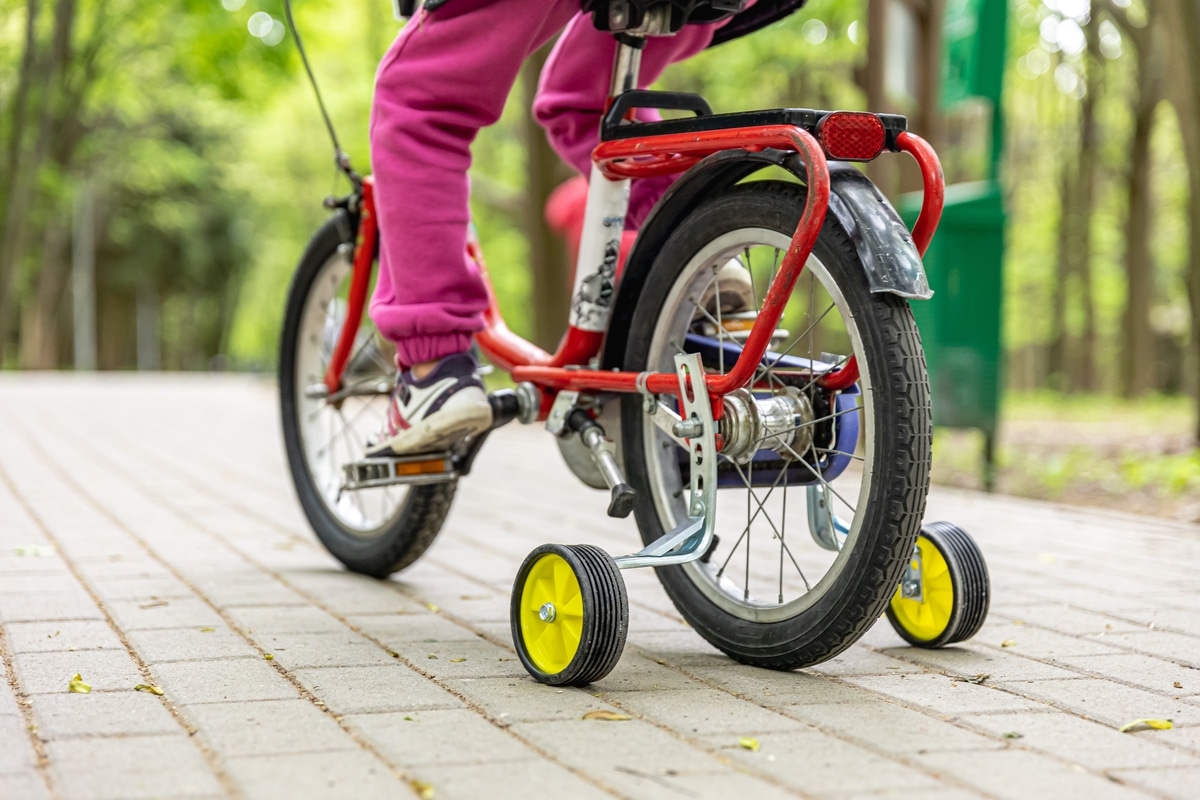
x=457, y=660
x=268, y=656
x=1147, y=724
x=1047, y=558
x=52, y=635
x=424, y=790
x=1178, y=685
x=408, y=718
x=977, y=679
x=154, y=604
x=749, y=743
x=1008, y=643
x=77, y=685
x=435, y=609
x=35, y=550
x=145, y=687
x=208, y=630
x=1013, y=735
x=432, y=655
x=607, y=716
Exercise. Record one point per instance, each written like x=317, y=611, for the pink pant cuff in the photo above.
x=421, y=348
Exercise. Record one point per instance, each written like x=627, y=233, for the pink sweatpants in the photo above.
x=446, y=76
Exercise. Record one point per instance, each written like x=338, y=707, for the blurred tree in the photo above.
x=1183, y=24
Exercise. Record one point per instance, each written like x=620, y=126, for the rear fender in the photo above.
x=881, y=239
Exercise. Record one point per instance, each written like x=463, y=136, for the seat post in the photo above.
x=626, y=63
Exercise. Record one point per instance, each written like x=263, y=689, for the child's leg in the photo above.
x=575, y=84
x=446, y=76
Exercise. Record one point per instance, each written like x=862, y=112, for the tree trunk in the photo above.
x=1081, y=249
x=1056, y=352
x=547, y=255
x=1183, y=24
x=40, y=319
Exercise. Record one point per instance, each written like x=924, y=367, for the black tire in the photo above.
x=407, y=526
x=970, y=583
x=605, y=615
x=841, y=606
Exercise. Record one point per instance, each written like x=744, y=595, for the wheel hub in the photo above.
x=546, y=613
x=781, y=422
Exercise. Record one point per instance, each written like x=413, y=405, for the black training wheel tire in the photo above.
x=405, y=529
x=581, y=638
x=969, y=582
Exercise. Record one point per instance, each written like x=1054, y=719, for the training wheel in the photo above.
x=944, y=594
x=569, y=614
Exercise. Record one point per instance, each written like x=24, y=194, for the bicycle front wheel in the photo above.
x=815, y=518
x=374, y=531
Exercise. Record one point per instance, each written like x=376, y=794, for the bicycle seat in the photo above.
x=627, y=15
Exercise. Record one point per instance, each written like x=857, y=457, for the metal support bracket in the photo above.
x=690, y=539
x=822, y=522
x=911, y=583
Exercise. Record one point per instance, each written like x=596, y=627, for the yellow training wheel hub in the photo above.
x=927, y=618
x=551, y=613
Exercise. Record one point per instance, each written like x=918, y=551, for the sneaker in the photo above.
x=434, y=413
x=736, y=291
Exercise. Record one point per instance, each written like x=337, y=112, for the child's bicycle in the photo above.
x=698, y=409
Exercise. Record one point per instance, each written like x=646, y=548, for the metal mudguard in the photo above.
x=883, y=242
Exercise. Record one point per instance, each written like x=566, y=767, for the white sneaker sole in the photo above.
x=447, y=427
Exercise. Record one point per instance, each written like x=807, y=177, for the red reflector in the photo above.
x=851, y=135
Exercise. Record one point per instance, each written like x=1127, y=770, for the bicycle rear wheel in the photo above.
x=777, y=590
x=374, y=531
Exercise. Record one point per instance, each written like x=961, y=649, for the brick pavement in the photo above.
x=167, y=549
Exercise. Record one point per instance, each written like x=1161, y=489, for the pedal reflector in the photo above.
x=431, y=467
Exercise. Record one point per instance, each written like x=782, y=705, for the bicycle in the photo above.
x=667, y=402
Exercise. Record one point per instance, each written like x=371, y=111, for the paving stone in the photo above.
x=8, y=701
x=1178, y=783
x=261, y=590
x=1171, y=646
x=480, y=659
x=315, y=776
x=1072, y=621
x=140, y=589
x=66, y=715
x=636, y=672
x=1088, y=743
x=112, y=769
x=728, y=784
x=188, y=682
x=415, y=627
x=889, y=728
x=1020, y=774
x=695, y=712
x=141, y=615
x=40, y=583
x=617, y=753
x=68, y=605
x=680, y=648
x=815, y=763
x=16, y=754
x=449, y=736
x=356, y=690
x=1027, y=640
x=26, y=785
x=267, y=727
x=862, y=660
x=525, y=700
x=45, y=637
x=190, y=644
x=345, y=593
x=286, y=619
x=947, y=696
x=343, y=649
x=1111, y=703
x=1150, y=673
x=511, y=780
x=781, y=688
x=104, y=670
x=967, y=660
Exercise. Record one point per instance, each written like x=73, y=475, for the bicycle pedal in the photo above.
x=421, y=469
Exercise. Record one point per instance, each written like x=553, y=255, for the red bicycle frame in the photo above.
x=646, y=157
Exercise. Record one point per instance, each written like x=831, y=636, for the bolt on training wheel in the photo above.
x=943, y=596
x=569, y=614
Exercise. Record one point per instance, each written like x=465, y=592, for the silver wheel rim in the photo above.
x=331, y=436
x=795, y=558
